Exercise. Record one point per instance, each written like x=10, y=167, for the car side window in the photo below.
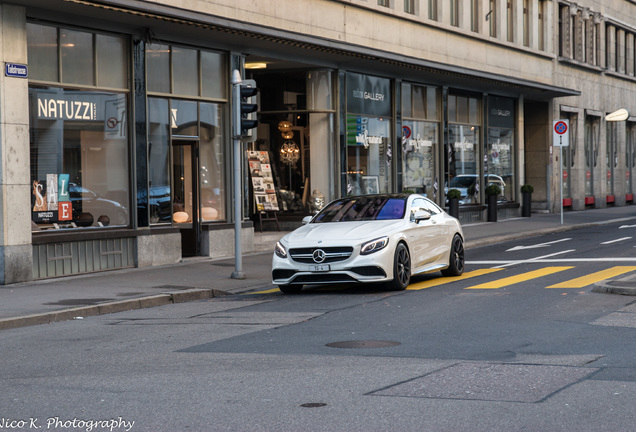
x=431, y=207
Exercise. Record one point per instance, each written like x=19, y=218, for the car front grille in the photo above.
x=332, y=254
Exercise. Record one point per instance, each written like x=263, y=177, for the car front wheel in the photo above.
x=401, y=268
x=290, y=289
x=456, y=258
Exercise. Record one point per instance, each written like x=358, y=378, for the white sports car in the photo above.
x=370, y=238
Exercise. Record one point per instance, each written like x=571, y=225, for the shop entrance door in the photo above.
x=185, y=197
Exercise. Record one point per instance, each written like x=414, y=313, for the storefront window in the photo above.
x=212, y=164
x=420, y=139
x=170, y=121
x=630, y=158
x=463, y=148
x=79, y=159
x=591, y=144
x=159, y=161
x=569, y=153
x=611, y=157
x=500, y=149
x=369, y=151
x=79, y=147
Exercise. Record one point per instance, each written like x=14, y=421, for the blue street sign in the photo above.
x=16, y=70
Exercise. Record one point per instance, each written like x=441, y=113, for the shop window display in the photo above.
x=79, y=159
x=420, y=139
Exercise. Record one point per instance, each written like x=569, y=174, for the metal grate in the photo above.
x=85, y=256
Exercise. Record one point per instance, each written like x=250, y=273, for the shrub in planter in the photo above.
x=526, y=195
x=492, y=192
x=493, y=189
x=454, y=194
x=527, y=188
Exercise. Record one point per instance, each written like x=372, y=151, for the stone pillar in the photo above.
x=16, y=254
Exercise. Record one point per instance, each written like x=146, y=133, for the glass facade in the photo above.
x=463, y=148
x=369, y=147
x=420, y=138
x=79, y=143
x=187, y=139
x=500, y=148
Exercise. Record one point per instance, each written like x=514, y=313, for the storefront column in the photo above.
x=16, y=255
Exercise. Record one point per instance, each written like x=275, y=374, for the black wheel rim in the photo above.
x=403, y=266
x=458, y=254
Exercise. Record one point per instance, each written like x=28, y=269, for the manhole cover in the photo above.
x=313, y=405
x=362, y=344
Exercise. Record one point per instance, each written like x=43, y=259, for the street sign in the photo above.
x=16, y=70
x=561, y=133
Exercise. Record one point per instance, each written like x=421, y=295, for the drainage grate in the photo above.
x=363, y=344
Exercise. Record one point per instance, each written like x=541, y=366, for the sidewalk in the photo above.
x=76, y=297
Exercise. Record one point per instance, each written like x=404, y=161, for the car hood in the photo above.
x=338, y=232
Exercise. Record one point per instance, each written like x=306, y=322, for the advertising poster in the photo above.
x=262, y=181
x=51, y=200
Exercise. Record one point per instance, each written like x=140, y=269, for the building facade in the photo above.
x=117, y=141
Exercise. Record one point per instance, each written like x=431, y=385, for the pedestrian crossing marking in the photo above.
x=445, y=280
x=269, y=291
x=594, y=277
x=500, y=283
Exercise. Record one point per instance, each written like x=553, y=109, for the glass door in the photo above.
x=185, y=202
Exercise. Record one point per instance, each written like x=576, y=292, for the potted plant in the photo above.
x=492, y=192
x=526, y=195
x=453, y=196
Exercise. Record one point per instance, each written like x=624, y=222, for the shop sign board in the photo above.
x=368, y=95
x=15, y=70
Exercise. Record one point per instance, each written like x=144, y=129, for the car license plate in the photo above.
x=319, y=268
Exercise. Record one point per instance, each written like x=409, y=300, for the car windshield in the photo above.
x=461, y=181
x=363, y=209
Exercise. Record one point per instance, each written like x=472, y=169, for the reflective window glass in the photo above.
x=212, y=163
x=185, y=71
x=112, y=61
x=78, y=66
x=42, y=51
x=158, y=68
x=79, y=159
x=213, y=82
x=159, y=161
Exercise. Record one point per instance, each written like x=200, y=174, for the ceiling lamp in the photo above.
x=285, y=126
x=289, y=153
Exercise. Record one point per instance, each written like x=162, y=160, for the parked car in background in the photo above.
x=466, y=184
x=88, y=208
x=370, y=238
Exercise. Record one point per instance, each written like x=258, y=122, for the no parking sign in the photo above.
x=561, y=133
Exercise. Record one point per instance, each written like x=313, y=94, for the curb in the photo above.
x=110, y=307
x=624, y=286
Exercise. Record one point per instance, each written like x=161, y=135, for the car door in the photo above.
x=422, y=235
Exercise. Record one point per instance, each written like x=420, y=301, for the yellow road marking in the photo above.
x=500, y=283
x=269, y=291
x=594, y=277
x=445, y=280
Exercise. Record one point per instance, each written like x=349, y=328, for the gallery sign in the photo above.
x=368, y=95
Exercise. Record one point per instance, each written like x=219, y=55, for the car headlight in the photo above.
x=280, y=250
x=374, y=245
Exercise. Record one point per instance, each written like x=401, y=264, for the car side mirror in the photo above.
x=421, y=215
x=307, y=219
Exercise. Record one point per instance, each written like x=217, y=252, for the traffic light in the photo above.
x=245, y=108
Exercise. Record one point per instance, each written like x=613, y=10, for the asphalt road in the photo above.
x=445, y=355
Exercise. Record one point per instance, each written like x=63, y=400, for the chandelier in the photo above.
x=289, y=153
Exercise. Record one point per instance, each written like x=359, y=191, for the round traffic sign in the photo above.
x=560, y=127
x=406, y=132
